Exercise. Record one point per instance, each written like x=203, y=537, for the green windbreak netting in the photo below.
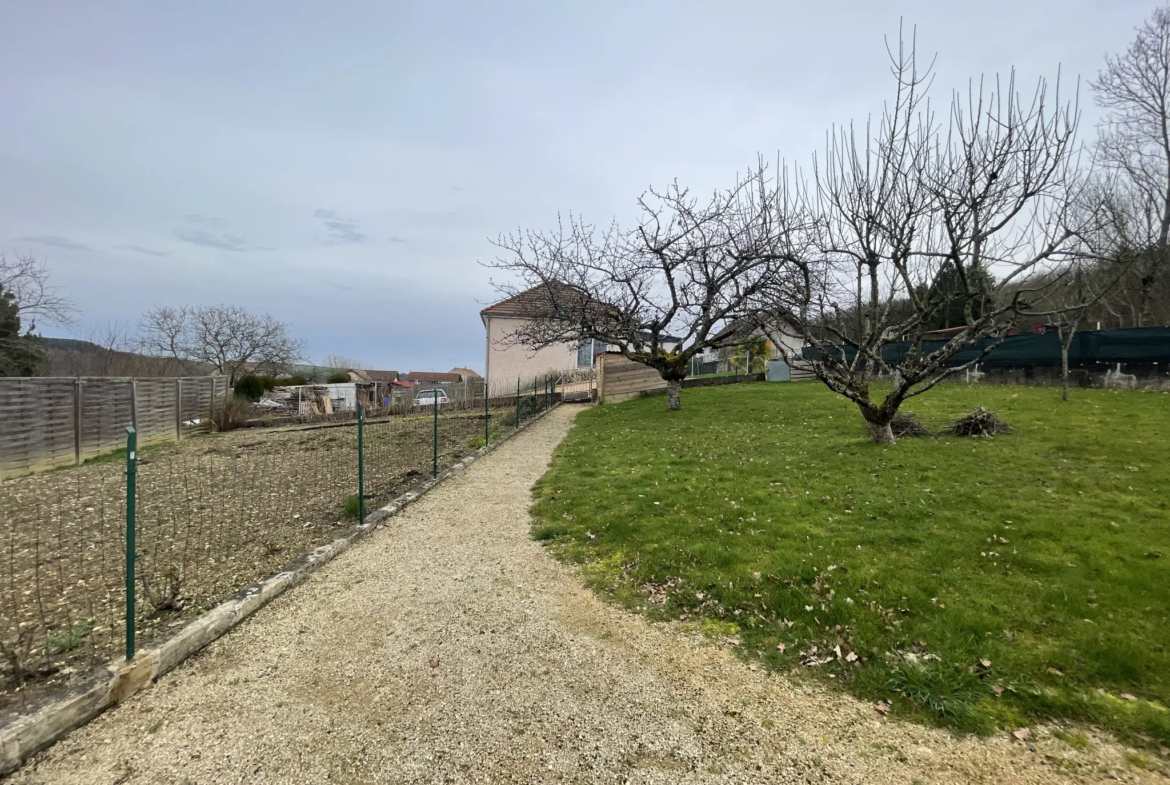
x=1132, y=345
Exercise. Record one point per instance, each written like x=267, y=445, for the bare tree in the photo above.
x=1134, y=144
x=1068, y=299
x=663, y=291
x=25, y=297
x=227, y=338
x=339, y=362
x=27, y=279
x=980, y=198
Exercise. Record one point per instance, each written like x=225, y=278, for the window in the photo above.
x=587, y=350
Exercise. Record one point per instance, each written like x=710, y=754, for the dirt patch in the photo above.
x=214, y=514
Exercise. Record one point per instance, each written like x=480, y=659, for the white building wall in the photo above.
x=507, y=362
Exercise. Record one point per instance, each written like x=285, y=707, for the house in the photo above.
x=781, y=336
x=507, y=360
x=465, y=374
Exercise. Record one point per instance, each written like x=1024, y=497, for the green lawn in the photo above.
x=981, y=583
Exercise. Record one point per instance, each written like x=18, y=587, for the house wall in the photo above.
x=784, y=343
x=507, y=362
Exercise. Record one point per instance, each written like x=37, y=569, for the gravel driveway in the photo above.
x=448, y=647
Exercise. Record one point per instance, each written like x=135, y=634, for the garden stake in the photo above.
x=131, y=556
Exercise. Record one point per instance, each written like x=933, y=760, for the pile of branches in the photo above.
x=907, y=424
x=980, y=422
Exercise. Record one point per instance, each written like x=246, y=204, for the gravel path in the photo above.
x=448, y=647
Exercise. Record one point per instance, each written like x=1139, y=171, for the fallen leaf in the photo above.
x=1054, y=672
x=850, y=657
x=434, y=662
x=1023, y=734
x=837, y=650
x=997, y=689
x=882, y=707
x=780, y=647
x=1125, y=696
x=985, y=663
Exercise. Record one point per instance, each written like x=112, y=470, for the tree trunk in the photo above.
x=1064, y=372
x=673, y=395
x=1066, y=336
x=878, y=423
x=880, y=433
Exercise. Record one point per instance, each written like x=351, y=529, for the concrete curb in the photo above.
x=25, y=735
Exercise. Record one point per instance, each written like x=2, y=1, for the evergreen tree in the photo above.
x=19, y=354
x=951, y=297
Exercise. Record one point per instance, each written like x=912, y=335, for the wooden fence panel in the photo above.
x=620, y=379
x=156, y=410
x=49, y=422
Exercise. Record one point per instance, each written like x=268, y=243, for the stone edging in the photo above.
x=27, y=734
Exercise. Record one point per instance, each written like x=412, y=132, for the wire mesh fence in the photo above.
x=214, y=514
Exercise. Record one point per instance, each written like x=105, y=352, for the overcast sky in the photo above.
x=343, y=165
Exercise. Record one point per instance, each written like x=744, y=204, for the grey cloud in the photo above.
x=397, y=240
x=56, y=241
x=341, y=230
x=226, y=242
x=140, y=249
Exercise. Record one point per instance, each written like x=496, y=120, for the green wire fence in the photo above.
x=98, y=559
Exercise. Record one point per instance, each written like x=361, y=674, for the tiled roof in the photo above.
x=466, y=373
x=374, y=376
x=537, y=301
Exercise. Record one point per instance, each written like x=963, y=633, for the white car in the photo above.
x=429, y=397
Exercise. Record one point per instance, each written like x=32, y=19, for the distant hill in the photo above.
x=75, y=357
x=70, y=345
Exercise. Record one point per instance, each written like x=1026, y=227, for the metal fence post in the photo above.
x=487, y=415
x=435, y=437
x=361, y=467
x=131, y=555
x=517, y=401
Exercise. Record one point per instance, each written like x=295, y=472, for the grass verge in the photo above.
x=974, y=583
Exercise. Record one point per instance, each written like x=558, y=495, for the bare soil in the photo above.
x=215, y=514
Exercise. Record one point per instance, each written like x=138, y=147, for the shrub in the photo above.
x=253, y=387
x=337, y=377
x=230, y=413
x=70, y=639
x=352, y=506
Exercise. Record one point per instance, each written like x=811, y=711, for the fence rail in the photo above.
x=214, y=515
x=64, y=421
